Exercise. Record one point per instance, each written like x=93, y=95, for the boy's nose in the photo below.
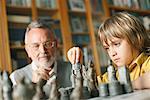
x=112, y=52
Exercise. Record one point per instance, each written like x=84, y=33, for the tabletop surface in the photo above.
x=137, y=95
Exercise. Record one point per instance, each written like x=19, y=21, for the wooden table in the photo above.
x=136, y=95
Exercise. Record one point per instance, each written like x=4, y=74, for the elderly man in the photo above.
x=41, y=46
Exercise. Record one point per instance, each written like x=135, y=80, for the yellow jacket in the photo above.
x=140, y=66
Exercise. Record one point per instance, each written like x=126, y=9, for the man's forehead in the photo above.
x=40, y=31
x=38, y=34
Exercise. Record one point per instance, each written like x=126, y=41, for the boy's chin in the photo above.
x=120, y=64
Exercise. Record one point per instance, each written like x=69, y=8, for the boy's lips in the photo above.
x=116, y=60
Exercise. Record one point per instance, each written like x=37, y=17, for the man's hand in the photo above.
x=41, y=73
x=75, y=55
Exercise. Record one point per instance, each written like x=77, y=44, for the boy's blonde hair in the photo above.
x=125, y=26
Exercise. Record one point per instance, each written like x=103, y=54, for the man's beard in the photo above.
x=46, y=63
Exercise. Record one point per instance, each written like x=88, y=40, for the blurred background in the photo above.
x=75, y=23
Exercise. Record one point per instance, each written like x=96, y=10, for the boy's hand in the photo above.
x=75, y=55
x=142, y=82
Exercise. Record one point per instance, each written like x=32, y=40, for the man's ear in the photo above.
x=27, y=50
x=56, y=43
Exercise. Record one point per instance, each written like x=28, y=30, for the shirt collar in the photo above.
x=138, y=61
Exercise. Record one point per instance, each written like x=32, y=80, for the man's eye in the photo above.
x=35, y=46
x=48, y=44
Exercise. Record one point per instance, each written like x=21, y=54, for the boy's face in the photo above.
x=39, y=47
x=120, y=52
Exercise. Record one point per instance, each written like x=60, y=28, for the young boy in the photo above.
x=126, y=41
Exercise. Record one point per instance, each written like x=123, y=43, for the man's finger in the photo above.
x=44, y=76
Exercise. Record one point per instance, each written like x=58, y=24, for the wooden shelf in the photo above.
x=16, y=47
x=142, y=12
x=77, y=13
x=17, y=25
x=16, y=10
x=97, y=14
x=47, y=11
x=80, y=33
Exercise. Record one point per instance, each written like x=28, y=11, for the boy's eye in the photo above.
x=106, y=48
x=117, y=44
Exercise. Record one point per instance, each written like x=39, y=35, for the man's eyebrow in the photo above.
x=34, y=43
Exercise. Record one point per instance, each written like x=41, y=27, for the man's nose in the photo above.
x=42, y=48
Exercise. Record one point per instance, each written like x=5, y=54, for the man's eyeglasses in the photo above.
x=47, y=45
